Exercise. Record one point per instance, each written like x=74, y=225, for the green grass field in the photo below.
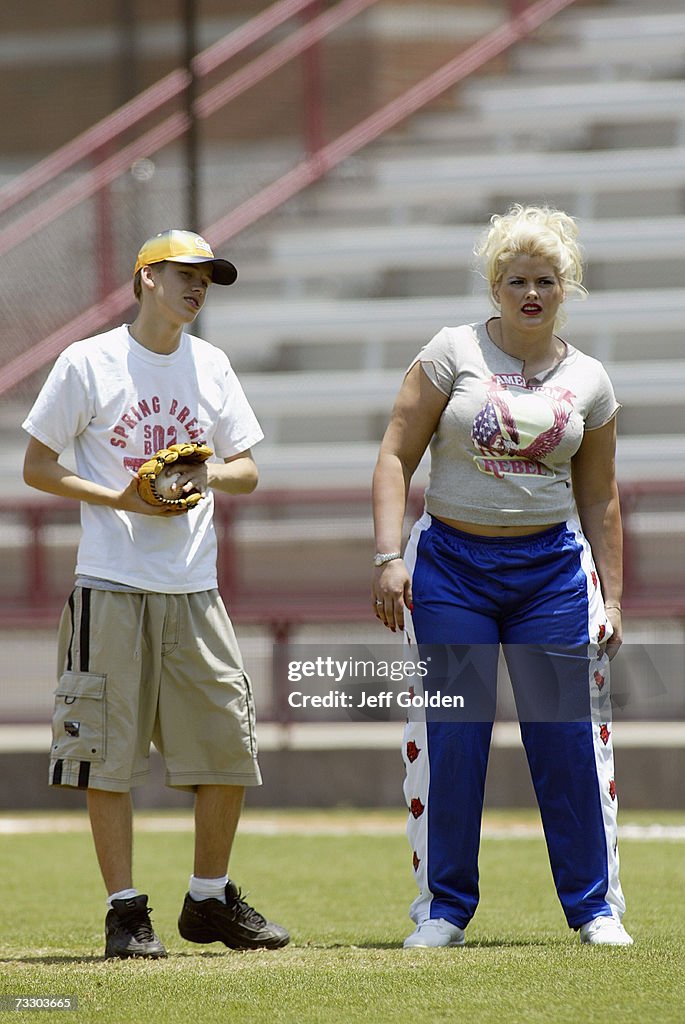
x=344, y=897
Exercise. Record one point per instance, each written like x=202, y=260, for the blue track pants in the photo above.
x=539, y=598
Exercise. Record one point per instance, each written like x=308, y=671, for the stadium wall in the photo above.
x=325, y=778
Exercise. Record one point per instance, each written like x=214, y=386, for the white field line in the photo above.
x=277, y=826
x=368, y=736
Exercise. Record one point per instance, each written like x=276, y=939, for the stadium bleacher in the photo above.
x=622, y=37
x=351, y=282
x=351, y=279
x=337, y=292
x=340, y=288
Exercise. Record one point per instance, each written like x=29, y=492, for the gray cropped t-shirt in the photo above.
x=502, y=450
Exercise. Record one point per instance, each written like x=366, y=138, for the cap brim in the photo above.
x=223, y=272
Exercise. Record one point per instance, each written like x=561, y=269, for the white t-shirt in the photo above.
x=119, y=403
x=502, y=450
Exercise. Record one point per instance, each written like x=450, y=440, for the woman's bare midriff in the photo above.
x=482, y=530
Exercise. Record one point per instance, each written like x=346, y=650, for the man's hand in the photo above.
x=129, y=500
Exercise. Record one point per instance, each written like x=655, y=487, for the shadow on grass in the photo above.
x=52, y=960
x=208, y=954
x=91, y=959
x=475, y=944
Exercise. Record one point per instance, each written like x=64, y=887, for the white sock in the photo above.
x=208, y=888
x=124, y=894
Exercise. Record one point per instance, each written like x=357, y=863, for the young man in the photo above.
x=147, y=649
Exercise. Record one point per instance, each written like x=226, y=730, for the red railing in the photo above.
x=311, y=169
x=39, y=578
x=174, y=126
x=176, y=82
x=122, y=120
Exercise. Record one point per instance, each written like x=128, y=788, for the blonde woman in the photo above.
x=519, y=547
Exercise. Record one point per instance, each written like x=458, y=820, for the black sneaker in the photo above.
x=129, y=932
x=235, y=923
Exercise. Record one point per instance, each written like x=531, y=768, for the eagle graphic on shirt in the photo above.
x=520, y=422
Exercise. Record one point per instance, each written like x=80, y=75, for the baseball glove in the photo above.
x=157, y=476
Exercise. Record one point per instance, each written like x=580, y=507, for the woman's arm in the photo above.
x=596, y=494
x=414, y=419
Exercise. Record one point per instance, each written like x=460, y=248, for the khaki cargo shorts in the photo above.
x=141, y=668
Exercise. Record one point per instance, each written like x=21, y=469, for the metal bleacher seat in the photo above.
x=582, y=176
x=601, y=325
x=653, y=458
x=300, y=258
x=568, y=104
x=658, y=384
x=311, y=400
x=506, y=111
x=610, y=40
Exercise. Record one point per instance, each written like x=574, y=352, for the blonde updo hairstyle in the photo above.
x=538, y=231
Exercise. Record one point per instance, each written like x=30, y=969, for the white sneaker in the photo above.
x=436, y=931
x=605, y=931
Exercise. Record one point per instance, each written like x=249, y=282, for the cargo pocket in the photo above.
x=78, y=724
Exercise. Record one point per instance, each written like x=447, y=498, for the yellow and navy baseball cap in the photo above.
x=178, y=246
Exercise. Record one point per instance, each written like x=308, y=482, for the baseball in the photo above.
x=166, y=483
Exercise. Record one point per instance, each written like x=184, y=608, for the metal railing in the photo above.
x=315, y=165
x=40, y=539
x=121, y=121
x=174, y=126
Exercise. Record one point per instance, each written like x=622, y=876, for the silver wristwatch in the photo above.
x=381, y=559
